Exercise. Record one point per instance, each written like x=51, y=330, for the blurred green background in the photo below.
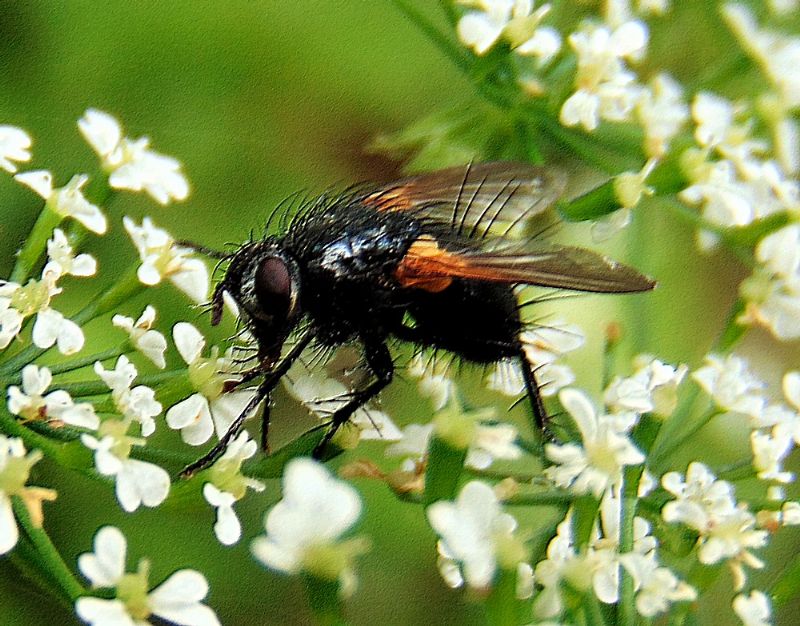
x=259, y=100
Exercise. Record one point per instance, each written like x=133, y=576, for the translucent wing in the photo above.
x=428, y=266
x=475, y=199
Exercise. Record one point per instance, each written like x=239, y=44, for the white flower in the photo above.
x=137, y=403
x=513, y=20
x=177, y=600
x=652, y=388
x=662, y=112
x=227, y=527
x=137, y=482
x=544, y=345
x=753, y=609
x=778, y=54
x=493, y=441
x=629, y=187
x=656, y=587
x=15, y=145
x=730, y=384
x=779, y=251
x=51, y=327
x=209, y=409
x=605, y=88
x=149, y=342
x=67, y=201
x=473, y=529
x=161, y=258
x=228, y=485
x=562, y=563
x=726, y=529
x=488, y=442
x=324, y=396
x=413, y=446
x=606, y=449
x=304, y=529
x=726, y=200
x=63, y=259
x=15, y=467
x=130, y=163
x=772, y=292
x=781, y=7
x=433, y=380
x=31, y=403
x=772, y=301
x=697, y=498
x=770, y=449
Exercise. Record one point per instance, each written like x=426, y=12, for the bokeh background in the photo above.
x=259, y=100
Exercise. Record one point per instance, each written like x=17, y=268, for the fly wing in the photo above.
x=430, y=267
x=475, y=199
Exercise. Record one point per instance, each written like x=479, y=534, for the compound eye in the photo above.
x=273, y=286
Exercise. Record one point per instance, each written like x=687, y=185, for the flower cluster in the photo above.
x=636, y=525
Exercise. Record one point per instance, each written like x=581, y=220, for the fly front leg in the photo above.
x=271, y=379
x=379, y=362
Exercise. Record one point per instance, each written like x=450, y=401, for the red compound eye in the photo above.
x=273, y=286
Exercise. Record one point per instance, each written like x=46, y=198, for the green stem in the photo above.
x=667, y=434
x=583, y=520
x=602, y=157
x=126, y=287
x=68, y=365
x=55, y=565
x=627, y=602
x=27, y=561
x=35, y=244
x=545, y=498
x=677, y=441
x=443, y=471
x=123, y=289
x=99, y=387
x=501, y=603
x=594, y=614
x=325, y=601
x=10, y=426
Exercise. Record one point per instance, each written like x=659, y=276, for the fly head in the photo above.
x=264, y=281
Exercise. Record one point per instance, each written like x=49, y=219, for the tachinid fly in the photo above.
x=428, y=259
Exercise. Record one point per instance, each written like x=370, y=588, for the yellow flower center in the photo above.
x=132, y=590
x=31, y=298
x=205, y=377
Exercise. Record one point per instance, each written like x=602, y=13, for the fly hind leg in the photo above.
x=379, y=362
x=540, y=416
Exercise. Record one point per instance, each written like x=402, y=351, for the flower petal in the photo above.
x=106, y=565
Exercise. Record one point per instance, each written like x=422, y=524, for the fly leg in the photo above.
x=540, y=417
x=379, y=361
x=271, y=379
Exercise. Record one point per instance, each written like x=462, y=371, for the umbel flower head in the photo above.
x=66, y=201
x=227, y=485
x=477, y=534
x=606, y=448
x=177, y=600
x=208, y=409
x=18, y=302
x=305, y=529
x=130, y=163
x=15, y=467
